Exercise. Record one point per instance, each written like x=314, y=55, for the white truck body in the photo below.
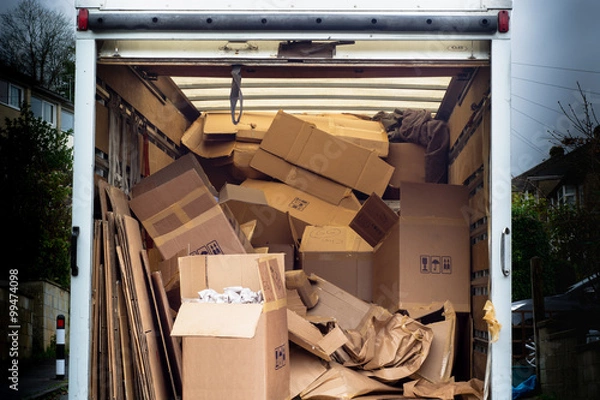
x=126, y=30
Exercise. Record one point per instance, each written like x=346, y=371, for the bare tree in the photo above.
x=586, y=127
x=38, y=42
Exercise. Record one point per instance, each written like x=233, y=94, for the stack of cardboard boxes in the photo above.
x=288, y=202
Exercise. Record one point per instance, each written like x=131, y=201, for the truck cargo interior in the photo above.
x=366, y=162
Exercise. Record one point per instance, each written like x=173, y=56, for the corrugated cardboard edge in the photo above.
x=308, y=336
x=437, y=367
x=204, y=319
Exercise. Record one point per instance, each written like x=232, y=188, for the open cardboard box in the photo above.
x=234, y=351
x=339, y=255
x=178, y=208
x=303, y=208
x=421, y=256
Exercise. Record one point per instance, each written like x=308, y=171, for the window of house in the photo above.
x=11, y=95
x=67, y=121
x=567, y=195
x=44, y=110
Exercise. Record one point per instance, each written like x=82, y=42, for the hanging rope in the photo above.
x=236, y=93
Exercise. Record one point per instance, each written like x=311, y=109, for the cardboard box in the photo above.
x=234, y=351
x=243, y=153
x=194, y=139
x=339, y=255
x=248, y=204
x=347, y=310
x=302, y=144
x=177, y=208
x=425, y=256
x=220, y=127
x=363, y=132
x=300, y=178
x=303, y=208
x=408, y=160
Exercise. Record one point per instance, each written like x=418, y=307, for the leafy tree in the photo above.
x=40, y=43
x=530, y=238
x=35, y=182
x=575, y=239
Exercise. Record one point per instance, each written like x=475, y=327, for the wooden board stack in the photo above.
x=133, y=355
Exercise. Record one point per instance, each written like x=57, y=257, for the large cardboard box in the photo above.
x=273, y=226
x=363, y=132
x=178, y=209
x=408, y=160
x=301, y=143
x=340, y=256
x=303, y=208
x=300, y=178
x=234, y=351
x=425, y=256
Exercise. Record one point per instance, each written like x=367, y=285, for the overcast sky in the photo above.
x=64, y=6
x=555, y=45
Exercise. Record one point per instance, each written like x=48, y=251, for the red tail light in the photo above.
x=83, y=18
x=503, y=19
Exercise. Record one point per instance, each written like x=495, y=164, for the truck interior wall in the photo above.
x=469, y=126
x=469, y=136
x=137, y=107
x=162, y=114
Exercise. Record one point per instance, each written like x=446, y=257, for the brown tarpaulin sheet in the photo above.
x=417, y=126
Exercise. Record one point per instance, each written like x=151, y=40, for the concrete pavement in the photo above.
x=36, y=380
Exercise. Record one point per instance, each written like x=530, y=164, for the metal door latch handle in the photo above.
x=74, y=236
x=505, y=233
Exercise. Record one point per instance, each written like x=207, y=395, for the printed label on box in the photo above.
x=298, y=204
x=280, y=357
x=435, y=264
x=211, y=247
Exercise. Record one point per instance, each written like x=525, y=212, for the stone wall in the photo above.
x=569, y=366
x=25, y=324
x=49, y=301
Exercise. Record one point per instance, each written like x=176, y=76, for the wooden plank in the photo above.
x=139, y=369
x=173, y=343
x=112, y=308
x=119, y=201
x=134, y=245
x=126, y=359
x=103, y=336
x=94, y=357
x=160, y=331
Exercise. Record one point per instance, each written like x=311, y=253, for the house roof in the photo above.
x=553, y=172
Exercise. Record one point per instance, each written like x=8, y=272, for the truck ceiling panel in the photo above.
x=360, y=77
x=363, y=96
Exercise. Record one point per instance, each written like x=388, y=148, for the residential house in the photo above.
x=51, y=107
x=564, y=178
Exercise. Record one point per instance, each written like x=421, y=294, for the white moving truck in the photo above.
x=150, y=68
